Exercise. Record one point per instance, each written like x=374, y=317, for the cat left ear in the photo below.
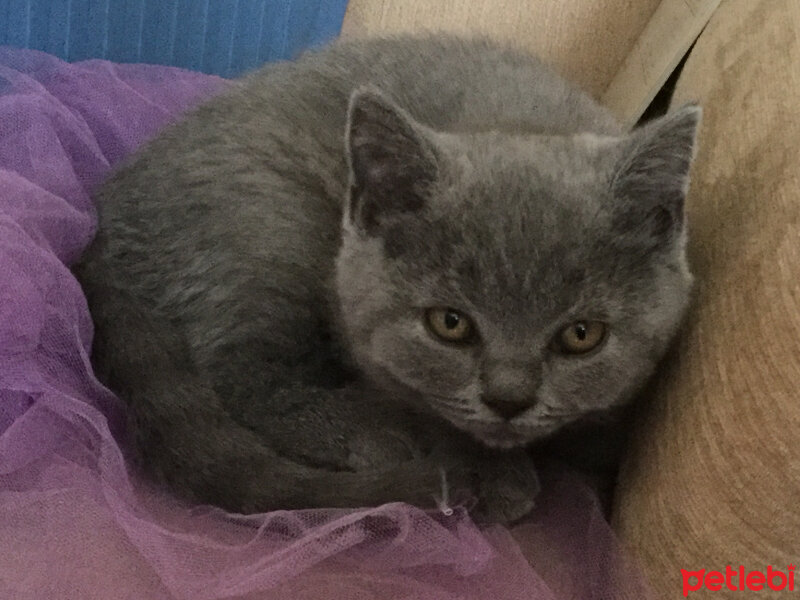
x=652, y=178
x=392, y=163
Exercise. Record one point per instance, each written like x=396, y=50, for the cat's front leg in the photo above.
x=336, y=429
x=404, y=456
x=375, y=449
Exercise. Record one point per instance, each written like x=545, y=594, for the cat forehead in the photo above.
x=524, y=221
x=522, y=257
x=502, y=159
x=522, y=225
x=526, y=191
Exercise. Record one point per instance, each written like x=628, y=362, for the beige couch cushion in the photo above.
x=587, y=41
x=714, y=474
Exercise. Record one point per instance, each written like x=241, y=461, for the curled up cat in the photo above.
x=389, y=264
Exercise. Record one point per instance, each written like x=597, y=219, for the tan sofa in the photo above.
x=713, y=476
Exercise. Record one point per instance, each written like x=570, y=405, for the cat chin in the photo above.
x=509, y=437
x=501, y=443
x=501, y=440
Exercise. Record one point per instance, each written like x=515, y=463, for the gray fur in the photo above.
x=260, y=275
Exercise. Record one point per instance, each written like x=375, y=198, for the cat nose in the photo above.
x=508, y=409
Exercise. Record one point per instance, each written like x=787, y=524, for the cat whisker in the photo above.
x=461, y=414
x=447, y=403
x=559, y=411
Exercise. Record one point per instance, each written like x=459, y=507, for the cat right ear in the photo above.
x=392, y=163
x=652, y=178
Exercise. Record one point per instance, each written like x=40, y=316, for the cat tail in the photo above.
x=185, y=439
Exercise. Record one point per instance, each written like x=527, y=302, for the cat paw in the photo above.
x=508, y=488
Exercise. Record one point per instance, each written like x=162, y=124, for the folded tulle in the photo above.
x=76, y=522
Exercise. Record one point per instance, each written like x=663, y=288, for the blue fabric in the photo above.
x=223, y=37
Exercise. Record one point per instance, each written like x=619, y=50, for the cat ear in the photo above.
x=652, y=178
x=392, y=163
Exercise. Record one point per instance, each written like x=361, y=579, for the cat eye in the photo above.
x=580, y=337
x=449, y=324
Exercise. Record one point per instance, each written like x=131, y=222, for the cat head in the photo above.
x=512, y=283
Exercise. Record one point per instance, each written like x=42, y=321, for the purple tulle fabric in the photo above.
x=76, y=523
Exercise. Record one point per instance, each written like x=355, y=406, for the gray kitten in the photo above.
x=384, y=269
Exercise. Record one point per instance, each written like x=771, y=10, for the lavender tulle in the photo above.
x=75, y=522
